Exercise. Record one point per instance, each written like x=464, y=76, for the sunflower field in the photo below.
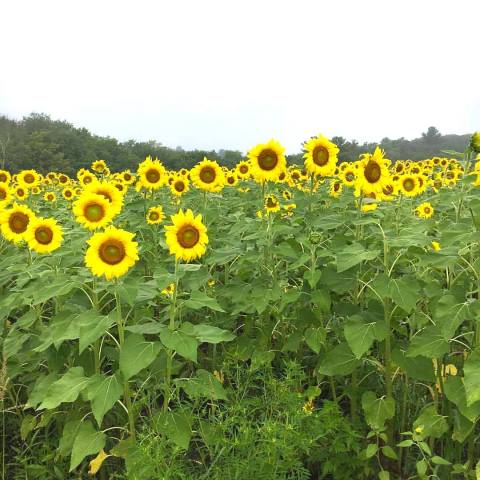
x=316, y=321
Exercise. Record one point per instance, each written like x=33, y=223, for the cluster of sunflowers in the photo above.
x=97, y=196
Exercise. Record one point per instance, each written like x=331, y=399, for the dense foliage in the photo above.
x=299, y=324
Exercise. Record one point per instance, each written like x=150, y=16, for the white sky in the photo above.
x=230, y=74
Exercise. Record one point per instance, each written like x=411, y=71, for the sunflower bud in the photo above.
x=475, y=142
x=315, y=238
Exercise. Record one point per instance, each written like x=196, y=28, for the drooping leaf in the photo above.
x=471, y=380
x=338, y=361
x=183, y=344
x=377, y=410
x=199, y=300
x=175, y=426
x=211, y=334
x=103, y=392
x=87, y=442
x=136, y=354
x=430, y=343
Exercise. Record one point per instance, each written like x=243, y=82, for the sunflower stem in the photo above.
x=126, y=386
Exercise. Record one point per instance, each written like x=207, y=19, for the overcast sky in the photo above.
x=230, y=74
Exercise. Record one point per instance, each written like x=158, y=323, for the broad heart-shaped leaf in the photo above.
x=61, y=327
x=183, y=344
x=361, y=333
x=405, y=292
x=136, y=354
x=60, y=286
x=352, y=255
x=471, y=370
x=66, y=389
x=455, y=392
x=449, y=313
x=211, y=334
x=175, y=426
x=315, y=338
x=199, y=300
x=431, y=423
x=87, y=442
x=377, y=410
x=92, y=326
x=430, y=343
x=419, y=368
x=204, y=384
x=40, y=389
x=338, y=361
x=103, y=392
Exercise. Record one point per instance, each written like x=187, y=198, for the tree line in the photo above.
x=37, y=141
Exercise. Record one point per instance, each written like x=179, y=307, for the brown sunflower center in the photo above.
x=63, y=179
x=231, y=180
x=179, y=186
x=153, y=216
x=336, y=187
x=350, y=176
x=18, y=222
x=373, y=172
x=271, y=203
x=94, y=212
x=43, y=235
x=320, y=156
x=20, y=192
x=188, y=236
x=3, y=194
x=207, y=175
x=243, y=169
x=127, y=177
x=388, y=189
x=50, y=196
x=408, y=184
x=3, y=177
x=68, y=193
x=29, y=178
x=112, y=251
x=87, y=179
x=153, y=175
x=268, y=159
x=427, y=210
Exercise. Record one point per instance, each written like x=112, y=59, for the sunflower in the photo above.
x=107, y=190
x=348, y=175
x=92, y=211
x=14, y=222
x=475, y=142
x=152, y=174
x=5, y=176
x=243, y=169
x=271, y=204
x=63, y=179
x=127, y=177
x=207, y=175
x=287, y=195
x=372, y=173
x=424, y=210
x=179, y=185
x=21, y=192
x=99, y=166
x=28, y=178
x=43, y=235
x=187, y=238
x=408, y=185
x=86, y=178
x=155, y=215
x=111, y=253
x=231, y=179
x=68, y=193
x=169, y=289
x=320, y=156
x=369, y=207
x=267, y=161
x=49, y=196
x=5, y=195
x=336, y=187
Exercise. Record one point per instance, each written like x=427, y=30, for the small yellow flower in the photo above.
x=419, y=429
x=96, y=463
x=369, y=207
x=436, y=246
x=169, y=289
x=308, y=406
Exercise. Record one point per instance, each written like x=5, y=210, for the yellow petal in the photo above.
x=96, y=463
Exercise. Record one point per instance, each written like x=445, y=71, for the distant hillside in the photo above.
x=39, y=142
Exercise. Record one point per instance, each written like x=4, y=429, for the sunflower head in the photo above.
x=152, y=174
x=21, y=192
x=271, y=204
x=109, y=192
x=179, y=185
x=372, y=173
x=207, y=175
x=5, y=176
x=155, y=215
x=111, y=253
x=475, y=142
x=43, y=235
x=424, y=210
x=92, y=211
x=320, y=156
x=267, y=161
x=243, y=169
x=5, y=195
x=14, y=222
x=49, y=196
x=187, y=236
x=99, y=166
x=68, y=193
x=29, y=178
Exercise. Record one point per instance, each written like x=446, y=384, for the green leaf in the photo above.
x=419, y=368
x=92, y=326
x=352, y=255
x=471, y=379
x=383, y=475
x=431, y=423
x=103, y=392
x=56, y=289
x=69, y=433
x=40, y=389
x=449, y=313
x=377, y=410
x=183, y=344
x=360, y=334
x=389, y=452
x=430, y=343
x=421, y=466
x=136, y=354
x=148, y=328
x=439, y=460
x=312, y=277
x=315, y=338
x=322, y=299
x=13, y=343
x=455, y=392
x=204, y=384
x=405, y=443
x=28, y=424
x=338, y=361
x=66, y=389
x=405, y=292
x=87, y=442
x=199, y=300
x=372, y=449
x=211, y=334
x=176, y=427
